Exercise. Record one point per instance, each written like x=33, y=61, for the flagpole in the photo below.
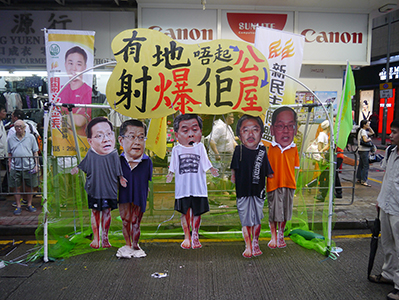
x=341, y=103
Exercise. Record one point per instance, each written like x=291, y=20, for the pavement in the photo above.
x=216, y=271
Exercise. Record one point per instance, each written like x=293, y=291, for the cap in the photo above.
x=325, y=124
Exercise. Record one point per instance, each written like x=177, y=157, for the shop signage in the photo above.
x=333, y=38
x=194, y=25
x=189, y=26
x=330, y=38
x=156, y=76
x=311, y=36
x=22, y=42
x=393, y=73
x=244, y=24
x=386, y=90
x=386, y=93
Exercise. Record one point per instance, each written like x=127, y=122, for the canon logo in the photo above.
x=332, y=37
x=185, y=34
x=252, y=26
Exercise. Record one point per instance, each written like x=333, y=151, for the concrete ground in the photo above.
x=216, y=271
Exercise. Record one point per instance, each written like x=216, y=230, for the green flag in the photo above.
x=344, y=123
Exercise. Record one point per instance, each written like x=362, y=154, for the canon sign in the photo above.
x=312, y=36
x=186, y=34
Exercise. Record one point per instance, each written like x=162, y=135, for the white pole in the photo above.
x=45, y=210
x=331, y=184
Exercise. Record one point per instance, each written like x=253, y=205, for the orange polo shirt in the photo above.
x=283, y=162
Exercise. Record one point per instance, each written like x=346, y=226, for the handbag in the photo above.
x=362, y=142
x=366, y=144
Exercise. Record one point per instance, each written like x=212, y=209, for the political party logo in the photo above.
x=54, y=50
x=244, y=25
x=277, y=49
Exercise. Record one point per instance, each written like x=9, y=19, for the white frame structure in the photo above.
x=47, y=114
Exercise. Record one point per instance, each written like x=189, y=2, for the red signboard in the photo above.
x=391, y=107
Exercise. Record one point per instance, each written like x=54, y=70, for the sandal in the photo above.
x=365, y=184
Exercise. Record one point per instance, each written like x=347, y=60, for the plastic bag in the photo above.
x=373, y=157
x=313, y=151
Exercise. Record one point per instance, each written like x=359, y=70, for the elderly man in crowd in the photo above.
x=23, y=164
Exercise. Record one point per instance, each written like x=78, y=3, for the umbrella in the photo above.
x=375, y=231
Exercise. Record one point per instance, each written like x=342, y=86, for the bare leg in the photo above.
x=29, y=197
x=273, y=242
x=195, y=243
x=136, y=220
x=126, y=215
x=106, y=223
x=255, y=240
x=246, y=233
x=95, y=225
x=17, y=196
x=280, y=238
x=185, y=223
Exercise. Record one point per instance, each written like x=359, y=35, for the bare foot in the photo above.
x=94, y=244
x=247, y=253
x=281, y=243
x=255, y=249
x=272, y=244
x=186, y=244
x=195, y=243
x=106, y=244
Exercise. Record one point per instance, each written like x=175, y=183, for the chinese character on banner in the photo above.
x=284, y=52
x=156, y=76
x=69, y=52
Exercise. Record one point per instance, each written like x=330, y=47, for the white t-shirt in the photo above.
x=322, y=138
x=362, y=133
x=190, y=165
